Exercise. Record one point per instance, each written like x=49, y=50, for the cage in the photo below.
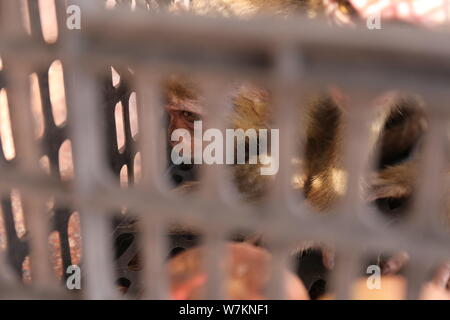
x=86, y=115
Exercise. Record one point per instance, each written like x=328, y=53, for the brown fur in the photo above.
x=251, y=8
x=403, y=125
x=322, y=154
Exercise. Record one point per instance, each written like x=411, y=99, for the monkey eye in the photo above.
x=391, y=206
x=190, y=116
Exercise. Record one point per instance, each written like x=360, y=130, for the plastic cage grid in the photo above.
x=142, y=51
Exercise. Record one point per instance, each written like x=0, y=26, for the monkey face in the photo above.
x=180, y=118
x=184, y=108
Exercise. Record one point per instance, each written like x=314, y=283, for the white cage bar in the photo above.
x=277, y=53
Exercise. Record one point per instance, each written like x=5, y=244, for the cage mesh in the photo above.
x=121, y=57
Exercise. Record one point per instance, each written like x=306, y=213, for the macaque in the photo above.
x=391, y=185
